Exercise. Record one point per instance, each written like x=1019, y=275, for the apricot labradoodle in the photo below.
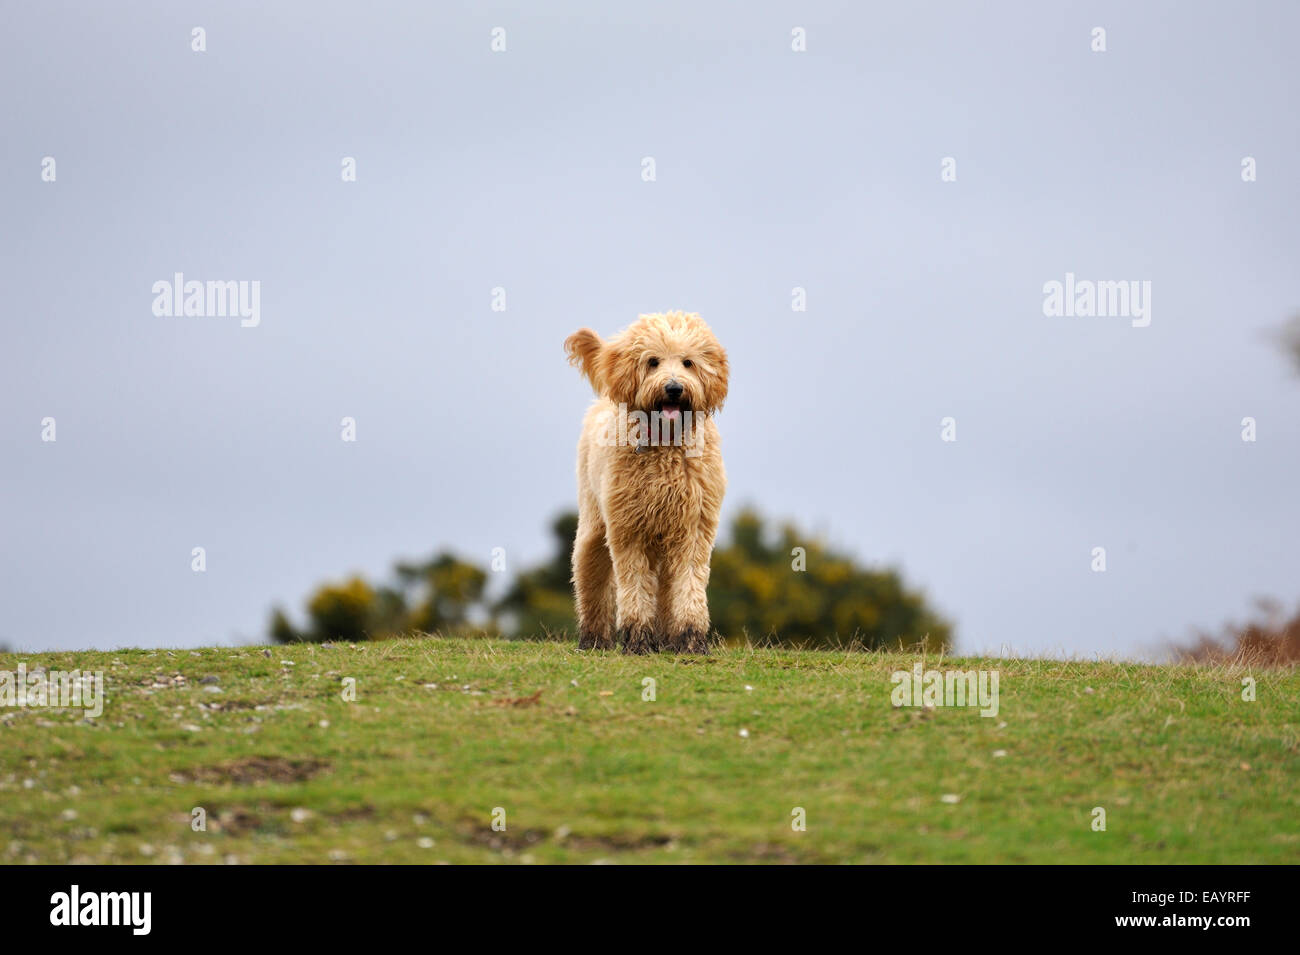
x=650, y=484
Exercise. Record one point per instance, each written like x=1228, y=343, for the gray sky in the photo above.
x=522, y=169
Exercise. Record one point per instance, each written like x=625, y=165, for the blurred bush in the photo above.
x=540, y=601
x=758, y=592
x=441, y=596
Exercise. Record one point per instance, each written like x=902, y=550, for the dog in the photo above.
x=650, y=484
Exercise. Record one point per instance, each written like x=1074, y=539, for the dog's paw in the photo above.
x=689, y=641
x=638, y=640
x=594, y=641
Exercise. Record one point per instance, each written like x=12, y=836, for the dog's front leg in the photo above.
x=636, y=583
x=688, y=603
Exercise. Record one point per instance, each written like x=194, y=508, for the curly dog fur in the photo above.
x=650, y=484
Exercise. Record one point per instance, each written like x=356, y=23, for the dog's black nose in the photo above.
x=674, y=389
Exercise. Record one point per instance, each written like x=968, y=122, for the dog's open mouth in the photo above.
x=672, y=410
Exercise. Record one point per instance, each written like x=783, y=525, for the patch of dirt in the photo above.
x=487, y=836
x=235, y=822
x=619, y=843
x=519, y=700
x=517, y=841
x=253, y=770
x=241, y=819
x=227, y=706
x=365, y=811
x=769, y=852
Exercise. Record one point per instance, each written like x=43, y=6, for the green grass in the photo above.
x=287, y=771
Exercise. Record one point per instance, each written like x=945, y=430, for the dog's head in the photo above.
x=667, y=363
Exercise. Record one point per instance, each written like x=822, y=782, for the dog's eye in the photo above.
x=654, y=362
x=688, y=363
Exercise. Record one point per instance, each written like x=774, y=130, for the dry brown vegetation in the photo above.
x=1272, y=640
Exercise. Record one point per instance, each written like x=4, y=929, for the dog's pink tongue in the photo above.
x=671, y=412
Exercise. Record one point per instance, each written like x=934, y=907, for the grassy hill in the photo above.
x=442, y=732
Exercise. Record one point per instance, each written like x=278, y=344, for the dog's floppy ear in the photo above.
x=716, y=381
x=583, y=348
x=619, y=373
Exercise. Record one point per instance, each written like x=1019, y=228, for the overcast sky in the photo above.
x=522, y=169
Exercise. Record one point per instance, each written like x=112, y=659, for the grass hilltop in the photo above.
x=444, y=734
